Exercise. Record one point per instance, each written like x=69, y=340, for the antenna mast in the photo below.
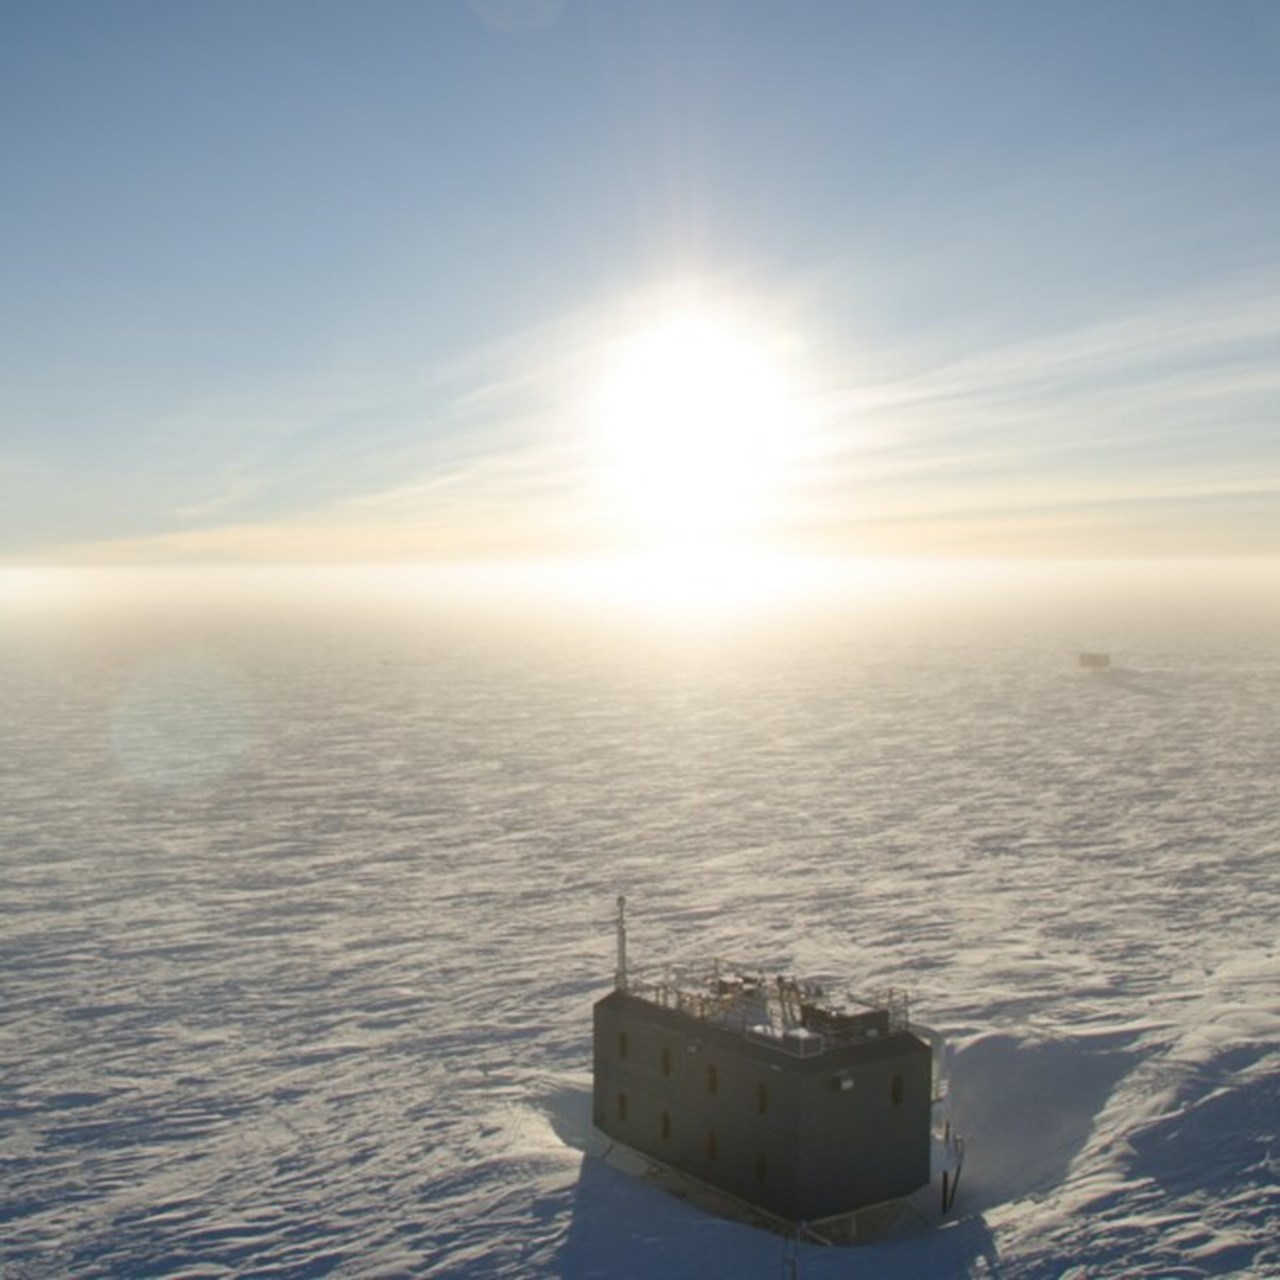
x=620, y=973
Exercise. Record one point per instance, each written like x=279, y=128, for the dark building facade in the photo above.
x=767, y=1090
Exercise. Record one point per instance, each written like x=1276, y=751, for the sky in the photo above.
x=306, y=281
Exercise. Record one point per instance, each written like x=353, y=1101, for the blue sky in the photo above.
x=315, y=280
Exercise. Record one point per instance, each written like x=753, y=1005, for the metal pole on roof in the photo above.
x=620, y=973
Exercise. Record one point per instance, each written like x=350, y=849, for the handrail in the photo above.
x=780, y=1013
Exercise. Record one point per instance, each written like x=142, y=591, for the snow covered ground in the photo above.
x=303, y=908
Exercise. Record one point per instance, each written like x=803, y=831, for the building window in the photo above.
x=711, y=1144
x=666, y=1061
x=897, y=1091
x=665, y=1126
x=713, y=1079
x=762, y=1169
x=762, y=1098
x=622, y=1044
x=622, y=1106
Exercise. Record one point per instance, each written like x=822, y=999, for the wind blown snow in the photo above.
x=304, y=909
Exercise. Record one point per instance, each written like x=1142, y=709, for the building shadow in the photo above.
x=624, y=1226
x=1128, y=680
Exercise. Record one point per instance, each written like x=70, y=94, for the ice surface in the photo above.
x=310, y=994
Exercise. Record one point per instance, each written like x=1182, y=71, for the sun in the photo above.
x=696, y=418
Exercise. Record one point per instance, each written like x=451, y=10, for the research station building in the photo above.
x=765, y=1088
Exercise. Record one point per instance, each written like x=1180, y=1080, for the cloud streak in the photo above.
x=1133, y=434
x=1164, y=410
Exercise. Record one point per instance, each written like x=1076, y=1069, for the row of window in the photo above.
x=713, y=1073
x=762, y=1090
x=713, y=1143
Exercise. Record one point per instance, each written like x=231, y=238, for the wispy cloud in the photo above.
x=1168, y=410
x=1135, y=433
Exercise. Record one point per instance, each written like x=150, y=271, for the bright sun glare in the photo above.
x=697, y=418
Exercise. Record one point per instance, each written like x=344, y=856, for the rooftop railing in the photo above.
x=793, y=1016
